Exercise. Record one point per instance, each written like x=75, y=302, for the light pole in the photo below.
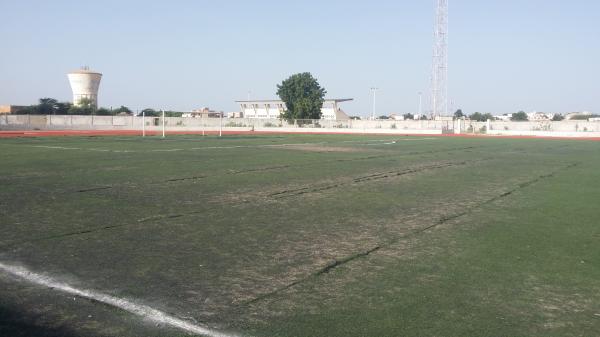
x=163, y=123
x=420, y=104
x=374, y=91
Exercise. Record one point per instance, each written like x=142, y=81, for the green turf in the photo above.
x=304, y=235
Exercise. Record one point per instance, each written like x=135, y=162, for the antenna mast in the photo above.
x=439, y=74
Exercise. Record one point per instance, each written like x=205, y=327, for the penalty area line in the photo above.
x=141, y=310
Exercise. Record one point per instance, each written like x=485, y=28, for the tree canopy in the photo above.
x=86, y=107
x=481, y=117
x=303, y=97
x=148, y=112
x=47, y=106
x=122, y=110
x=51, y=106
x=459, y=114
x=519, y=116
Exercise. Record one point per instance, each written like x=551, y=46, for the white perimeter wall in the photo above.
x=548, y=129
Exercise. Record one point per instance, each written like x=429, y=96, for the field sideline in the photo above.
x=97, y=133
x=298, y=235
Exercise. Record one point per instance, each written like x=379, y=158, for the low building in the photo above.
x=272, y=109
x=578, y=115
x=11, y=109
x=235, y=114
x=539, y=116
x=203, y=113
x=504, y=118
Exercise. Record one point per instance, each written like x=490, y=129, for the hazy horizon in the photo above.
x=183, y=55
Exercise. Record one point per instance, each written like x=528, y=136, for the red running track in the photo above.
x=95, y=133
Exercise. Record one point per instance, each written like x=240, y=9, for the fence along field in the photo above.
x=154, y=124
x=303, y=235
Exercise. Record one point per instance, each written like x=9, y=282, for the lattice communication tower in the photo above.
x=439, y=74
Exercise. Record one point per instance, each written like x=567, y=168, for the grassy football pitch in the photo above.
x=302, y=235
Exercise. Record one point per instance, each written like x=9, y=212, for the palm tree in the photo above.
x=47, y=106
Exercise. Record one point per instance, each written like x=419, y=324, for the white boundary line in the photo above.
x=360, y=143
x=56, y=147
x=79, y=148
x=143, y=311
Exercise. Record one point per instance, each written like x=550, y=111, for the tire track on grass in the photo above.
x=278, y=167
x=182, y=179
x=280, y=195
x=365, y=253
x=363, y=179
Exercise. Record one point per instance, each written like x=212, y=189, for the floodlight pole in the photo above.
x=420, y=104
x=374, y=91
x=163, y=123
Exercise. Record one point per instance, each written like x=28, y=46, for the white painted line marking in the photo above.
x=416, y=139
x=168, y=150
x=398, y=140
x=364, y=143
x=391, y=143
x=57, y=147
x=143, y=311
x=254, y=146
x=82, y=149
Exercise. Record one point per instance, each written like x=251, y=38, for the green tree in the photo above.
x=558, y=117
x=480, y=117
x=458, y=114
x=104, y=112
x=303, y=97
x=85, y=107
x=122, y=109
x=28, y=110
x=173, y=113
x=519, y=117
x=47, y=106
x=148, y=112
x=62, y=108
x=409, y=116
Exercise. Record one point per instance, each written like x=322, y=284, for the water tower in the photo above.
x=85, y=84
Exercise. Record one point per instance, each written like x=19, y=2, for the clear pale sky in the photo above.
x=504, y=56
